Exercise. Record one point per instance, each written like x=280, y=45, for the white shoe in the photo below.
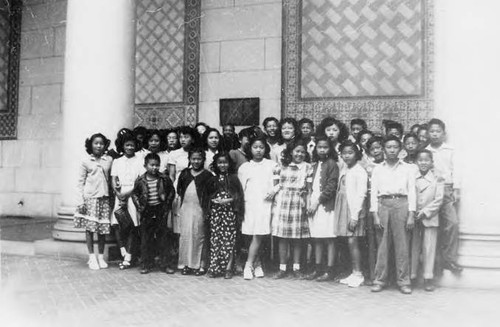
x=248, y=272
x=93, y=262
x=102, y=263
x=356, y=280
x=259, y=273
x=346, y=280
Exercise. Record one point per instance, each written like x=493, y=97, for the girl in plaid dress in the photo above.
x=289, y=221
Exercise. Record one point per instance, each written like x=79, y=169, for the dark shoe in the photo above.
x=297, y=274
x=145, y=270
x=368, y=282
x=228, y=274
x=405, y=289
x=280, y=275
x=453, y=267
x=200, y=272
x=429, y=285
x=377, y=288
x=186, y=271
x=169, y=271
x=312, y=276
x=327, y=276
x=211, y=274
x=414, y=282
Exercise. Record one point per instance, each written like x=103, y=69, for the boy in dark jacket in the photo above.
x=153, y=195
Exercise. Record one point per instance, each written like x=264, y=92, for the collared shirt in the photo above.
x=396, y=180
x=93, y=181
x=444, y=164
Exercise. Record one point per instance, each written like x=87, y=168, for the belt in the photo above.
x=393, y=196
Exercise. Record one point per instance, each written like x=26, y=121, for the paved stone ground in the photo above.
x=49, y=291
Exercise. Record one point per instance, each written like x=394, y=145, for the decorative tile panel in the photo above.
x=361, y=48
x=10, y=30
x=358, y=58
x=159, y=51
x=167, y=62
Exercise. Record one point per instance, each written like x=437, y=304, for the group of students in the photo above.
x=339, y=204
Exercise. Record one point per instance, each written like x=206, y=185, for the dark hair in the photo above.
x=197, y=150
x=356, y=148
x=201, y=124
x=160, y=136
x=423, y=127
x=188, y=130
x=205, y=138
x=332, y=152
x=140, y=130
x=363, y=132
x=417, y=126
x=229, y=160
x=306, y=121
x=329, y=121
x=90, y=140
x=291, y=121
x=151, y=156
x=359, y=121
x=268, y=119
x=439, y=122
x=287, y=153
x=374, y=139
x=393, y=138
x=246, y=132
x=248, y=147
x=419, y=152
x=120, y=141
x=409, y=135
x=169, y=131
x=394, y=124
x=230, y=125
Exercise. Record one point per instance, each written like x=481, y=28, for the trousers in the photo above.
x=393, y=214
x=423, y=250
x=448, y=227
x=154, y=236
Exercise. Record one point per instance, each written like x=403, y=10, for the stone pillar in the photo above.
x=98, y=88
x=466, y=92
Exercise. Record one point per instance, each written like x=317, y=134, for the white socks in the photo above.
x=296, y=266
x=283, y=267
x=102, y=263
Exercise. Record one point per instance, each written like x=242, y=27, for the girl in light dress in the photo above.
x=94, y=207
x=350, y=210
x=124, y=172
x=257, y=180
x=321, y=211
x=289, y=220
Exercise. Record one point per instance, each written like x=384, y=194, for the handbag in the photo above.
x=123, y=217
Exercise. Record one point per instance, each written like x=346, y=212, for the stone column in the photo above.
x=98, y=88
x=466, y=91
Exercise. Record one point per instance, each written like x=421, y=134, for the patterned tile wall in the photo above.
x=10, y=30
x=159, y=51
x=361, y=48
x=358, y=58
x=167, y=62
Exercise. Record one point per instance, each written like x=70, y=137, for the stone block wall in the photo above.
x=30, y=165
x=240, y=55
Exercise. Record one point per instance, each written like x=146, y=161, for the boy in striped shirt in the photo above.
x=153, y=195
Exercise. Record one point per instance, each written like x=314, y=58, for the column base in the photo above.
x=480, y=256
x=64, y=229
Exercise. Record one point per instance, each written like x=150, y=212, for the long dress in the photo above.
x=321, y=224
x=192, y=230
x=257, y=180
x=180, y=159
x=223, y=221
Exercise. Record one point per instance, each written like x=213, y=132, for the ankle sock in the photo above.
x=296, y=266
x=283, y=267
x=123, y=251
